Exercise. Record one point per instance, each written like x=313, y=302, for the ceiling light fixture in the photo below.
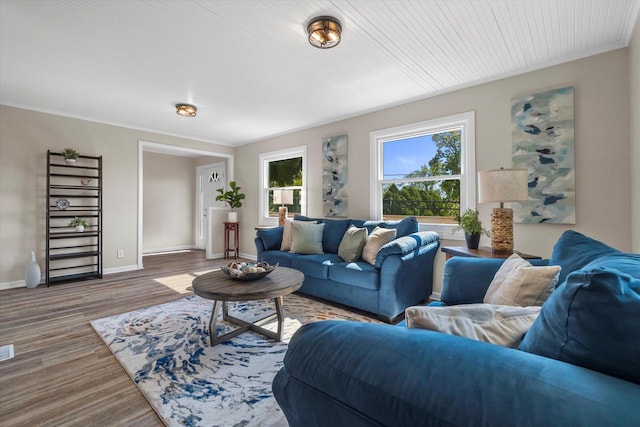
x=324, y=32
x=186, y=110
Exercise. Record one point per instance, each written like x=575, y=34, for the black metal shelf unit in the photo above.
x=73, y=190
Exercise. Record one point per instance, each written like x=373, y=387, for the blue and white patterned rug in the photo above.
x=165, y=350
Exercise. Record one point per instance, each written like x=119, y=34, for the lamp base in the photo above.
x=502, y=231
x=282, y=214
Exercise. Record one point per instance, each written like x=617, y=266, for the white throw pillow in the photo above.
x=377, y=239
x=517, y=282
x=498, y=324
x=286, y=234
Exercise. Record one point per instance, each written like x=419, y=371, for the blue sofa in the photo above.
x=402, y=275
x=579, y=364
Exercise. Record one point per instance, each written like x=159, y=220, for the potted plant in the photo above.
x=79, y=224
x=70, y=155
x=472, y=227
x=233, y=198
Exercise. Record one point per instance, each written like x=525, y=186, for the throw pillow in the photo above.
x=573, y=251
x=497, y=324
x=519, y=283
x=403, y=227
x=352, y=243
x=377, y=239
x=306, y=237
x=592, y=320
x=286, y=235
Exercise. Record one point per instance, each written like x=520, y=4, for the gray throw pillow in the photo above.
x=306, y=238
x=352, y=242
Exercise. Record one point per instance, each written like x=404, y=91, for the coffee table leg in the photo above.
x=280, y=313
x=213, y=336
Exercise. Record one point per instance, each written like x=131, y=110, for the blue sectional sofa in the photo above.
x=579, y=364
x=402, y=275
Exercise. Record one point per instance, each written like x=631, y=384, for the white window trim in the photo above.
x=466, y=121
x=265, y=158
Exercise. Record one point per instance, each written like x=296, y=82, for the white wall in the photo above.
x=168, y=202
x=634, y=74
x=602, y=149
x=25, y=137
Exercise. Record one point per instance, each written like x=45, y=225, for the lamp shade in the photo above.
x=283, y=197
x=502, y=185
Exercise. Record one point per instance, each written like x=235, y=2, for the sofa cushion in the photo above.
x=498, y=324
x=352, y=243
x=377, y=239
x=403, y=227
x=286, y=235
x=573, y=251
x=360, y=274
x=315, y=265
x=306, y=237
x=271, y=238
x=283, y=258
x=592, y=321
x=518, y=283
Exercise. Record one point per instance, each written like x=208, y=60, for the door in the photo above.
x=209, y=179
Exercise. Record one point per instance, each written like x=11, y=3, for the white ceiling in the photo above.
x=248, y=67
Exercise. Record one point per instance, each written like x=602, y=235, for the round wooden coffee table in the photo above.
x=219, y=287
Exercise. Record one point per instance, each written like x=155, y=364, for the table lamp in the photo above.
x=282, y=197
x=502, y=185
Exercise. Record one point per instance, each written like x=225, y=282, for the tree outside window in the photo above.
x=286, y=175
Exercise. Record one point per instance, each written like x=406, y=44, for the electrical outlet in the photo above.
x=120, y=253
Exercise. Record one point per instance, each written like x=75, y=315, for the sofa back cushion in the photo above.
x=573, y=251
x=592, y=320
x=403, y=227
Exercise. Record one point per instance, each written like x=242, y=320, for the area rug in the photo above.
x=165, y=350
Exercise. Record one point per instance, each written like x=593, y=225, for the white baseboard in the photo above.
x=122, y=269
x=169, y=249
x=16, y=284
x=22, y=283
x=241, y=255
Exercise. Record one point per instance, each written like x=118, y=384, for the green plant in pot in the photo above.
x=233, y=197
x=470, y=223
x=78, y=223
x=70, y=155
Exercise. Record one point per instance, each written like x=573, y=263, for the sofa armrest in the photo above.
x=370, y=374
x=466, y=280
x=405, y=245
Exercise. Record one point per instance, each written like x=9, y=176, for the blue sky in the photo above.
x=406, y=155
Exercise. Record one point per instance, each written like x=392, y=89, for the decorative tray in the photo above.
x=247, y=270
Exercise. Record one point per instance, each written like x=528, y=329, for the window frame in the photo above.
x=263, y=189
x=463, y=121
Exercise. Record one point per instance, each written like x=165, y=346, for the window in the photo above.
x=425, y=169
x=282, y=170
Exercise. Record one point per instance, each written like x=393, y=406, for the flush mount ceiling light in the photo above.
x=186, y=110
x=324, y=32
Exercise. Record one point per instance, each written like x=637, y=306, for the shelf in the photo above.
x=72, y=255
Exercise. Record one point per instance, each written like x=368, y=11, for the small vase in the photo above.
x=70, y=162
x=32, y=272
x=473, y=240
x=232, y=216
x=79, y=228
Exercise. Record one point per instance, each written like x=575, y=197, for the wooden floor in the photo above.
x=62, y=373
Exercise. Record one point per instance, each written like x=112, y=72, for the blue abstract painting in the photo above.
x=543, y=143
x=335, y=200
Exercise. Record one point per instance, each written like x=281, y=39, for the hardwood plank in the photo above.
x=62, y=373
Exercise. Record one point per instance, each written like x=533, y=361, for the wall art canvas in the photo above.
x=543, y=143
x=335, y=200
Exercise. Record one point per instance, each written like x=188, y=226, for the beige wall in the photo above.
x=25, y=137
x=602, y=148
x=634, y=74
x=168, y=202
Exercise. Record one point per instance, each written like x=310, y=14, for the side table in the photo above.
x=231, y=227
x=481, y=252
